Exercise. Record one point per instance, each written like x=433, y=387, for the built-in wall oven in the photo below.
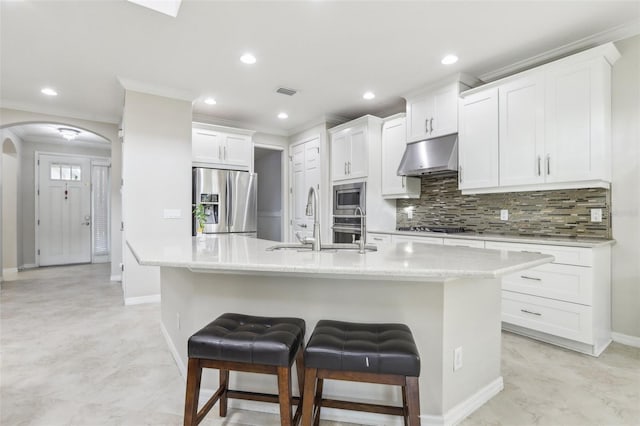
x=349, y=219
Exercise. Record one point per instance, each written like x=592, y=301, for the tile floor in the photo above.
x=72, y=354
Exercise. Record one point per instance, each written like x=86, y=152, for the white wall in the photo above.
x=625, y=189
x=157, y=176
x=27, y=188
x=11, y=147
x=270, y=211
x=109, y=131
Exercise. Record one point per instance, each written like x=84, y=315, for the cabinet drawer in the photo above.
x=555, y=281
x=461, y=242
x=563, y=319
x=580, y=256
x=423, y=240
x=379, y=238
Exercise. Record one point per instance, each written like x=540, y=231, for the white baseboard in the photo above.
x=626, y=339
x=154, y=298
x=175, y=354
x=7, y=271
x=28, y=266
x=116, y=278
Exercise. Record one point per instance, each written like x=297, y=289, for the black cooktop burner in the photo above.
x=444, y=229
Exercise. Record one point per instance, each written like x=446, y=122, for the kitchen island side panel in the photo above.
x=198, y=298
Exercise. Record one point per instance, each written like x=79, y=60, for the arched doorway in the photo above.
x=9, y=207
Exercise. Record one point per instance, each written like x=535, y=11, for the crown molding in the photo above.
x=157, y=90
x=58, y=112
x=328, y=120
x=208, y=119
x=74, y=143
x=618, y=33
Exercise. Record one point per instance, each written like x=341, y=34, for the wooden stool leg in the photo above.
x=405, y=410
x=308, y=396
x=318, y=402
x=413, y=401
x=224, y=386
x=284, y=395
x=300, y=370
x=194, y=375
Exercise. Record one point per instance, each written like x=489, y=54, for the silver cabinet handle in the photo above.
x=426, y=125
x=539, y=168
x=532, y=313
x=460, y=174
x=431, y=125
x=219, y=152
x=225, y=152
x=530, y=251
x=345, y=167
x=377, y=239
x=548, y=164
x=530, y=278
x=349, y=167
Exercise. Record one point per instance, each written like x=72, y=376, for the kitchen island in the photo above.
x=448, y=296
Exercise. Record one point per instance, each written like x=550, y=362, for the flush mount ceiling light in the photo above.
x=210, y=101
x=283, y=115
x=449, y=60
x=368, y=95
x=68, y=134
x=248, y=59
x=168, y=7
x=48, y=91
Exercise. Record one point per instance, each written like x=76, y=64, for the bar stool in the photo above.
x=372, y=353
x=236, y=342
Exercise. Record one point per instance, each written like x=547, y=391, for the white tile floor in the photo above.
x=72, y=354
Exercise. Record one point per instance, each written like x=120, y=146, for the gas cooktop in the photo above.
x=444, y=229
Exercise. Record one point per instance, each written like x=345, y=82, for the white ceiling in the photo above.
x=48, y=133
x=331, y=51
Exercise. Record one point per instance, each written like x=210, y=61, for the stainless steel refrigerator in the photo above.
x=229, y=199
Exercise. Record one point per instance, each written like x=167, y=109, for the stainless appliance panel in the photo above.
x=242, y=202
x=347, y=197
x=210, y=190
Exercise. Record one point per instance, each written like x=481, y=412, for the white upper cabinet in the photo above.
x=554, y=127
x=221, y=147
x=433, y=111
x=478, y=140
x=350, y=145
x=393, y=145
x=521, y=106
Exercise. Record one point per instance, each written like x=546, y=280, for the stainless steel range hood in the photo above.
x=431, y=156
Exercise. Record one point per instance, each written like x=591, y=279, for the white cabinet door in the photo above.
x=419, y=110
x=574, y=113
x=358, y=161
x=521, y=105
x=393, y=146
x=340, y=153
x=237, y=150
x=305, y=158
x=206, y=146
x=478, y=140
x=422, y=240
x=445, y=112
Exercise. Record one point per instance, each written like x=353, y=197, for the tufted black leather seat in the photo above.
x=367, y=348
x=249, y=339
x=252, y=344
x=370, y=353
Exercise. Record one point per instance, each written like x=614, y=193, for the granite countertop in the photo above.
x=527, y=239
x=400, y=261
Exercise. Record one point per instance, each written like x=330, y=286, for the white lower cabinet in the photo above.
x=566, y=302
x=412, y=239
x=463, y=242
x=378, y=239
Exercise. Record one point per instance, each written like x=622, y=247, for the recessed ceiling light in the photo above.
x=248, y=58
x=210, y=101
x=49, y=91
x=68, y=134
x=449, y=59
x=368, y=95
x=283, y=115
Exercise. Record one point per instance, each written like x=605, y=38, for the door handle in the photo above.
x=302, y=225
x=85, y=223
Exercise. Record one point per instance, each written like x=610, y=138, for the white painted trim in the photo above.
x=154, y=298
x=176, y=356
x=468, y=406
x=207, y=119
x=626, y=339
x=540, y=187
x=116, y=278
x=611, y=35
x=6, y=271
x=28, y=266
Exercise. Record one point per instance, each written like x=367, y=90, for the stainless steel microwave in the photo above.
x=349, y=196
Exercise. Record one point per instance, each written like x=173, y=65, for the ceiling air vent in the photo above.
x=285, y=91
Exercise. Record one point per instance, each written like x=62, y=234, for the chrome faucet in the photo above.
x=312, y=210
x=363, y=230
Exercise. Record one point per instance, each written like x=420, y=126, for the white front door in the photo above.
x=64, y=210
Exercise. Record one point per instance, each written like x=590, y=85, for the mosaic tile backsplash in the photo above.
x=564, y=213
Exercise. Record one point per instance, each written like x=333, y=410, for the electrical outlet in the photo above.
x=457, y=358
x=410, y=214
x=596, y=215
x=178, y=320
x=504, y=214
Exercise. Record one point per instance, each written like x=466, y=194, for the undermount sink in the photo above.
x=323, y=247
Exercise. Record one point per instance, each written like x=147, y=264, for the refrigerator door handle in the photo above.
x=229, y=201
